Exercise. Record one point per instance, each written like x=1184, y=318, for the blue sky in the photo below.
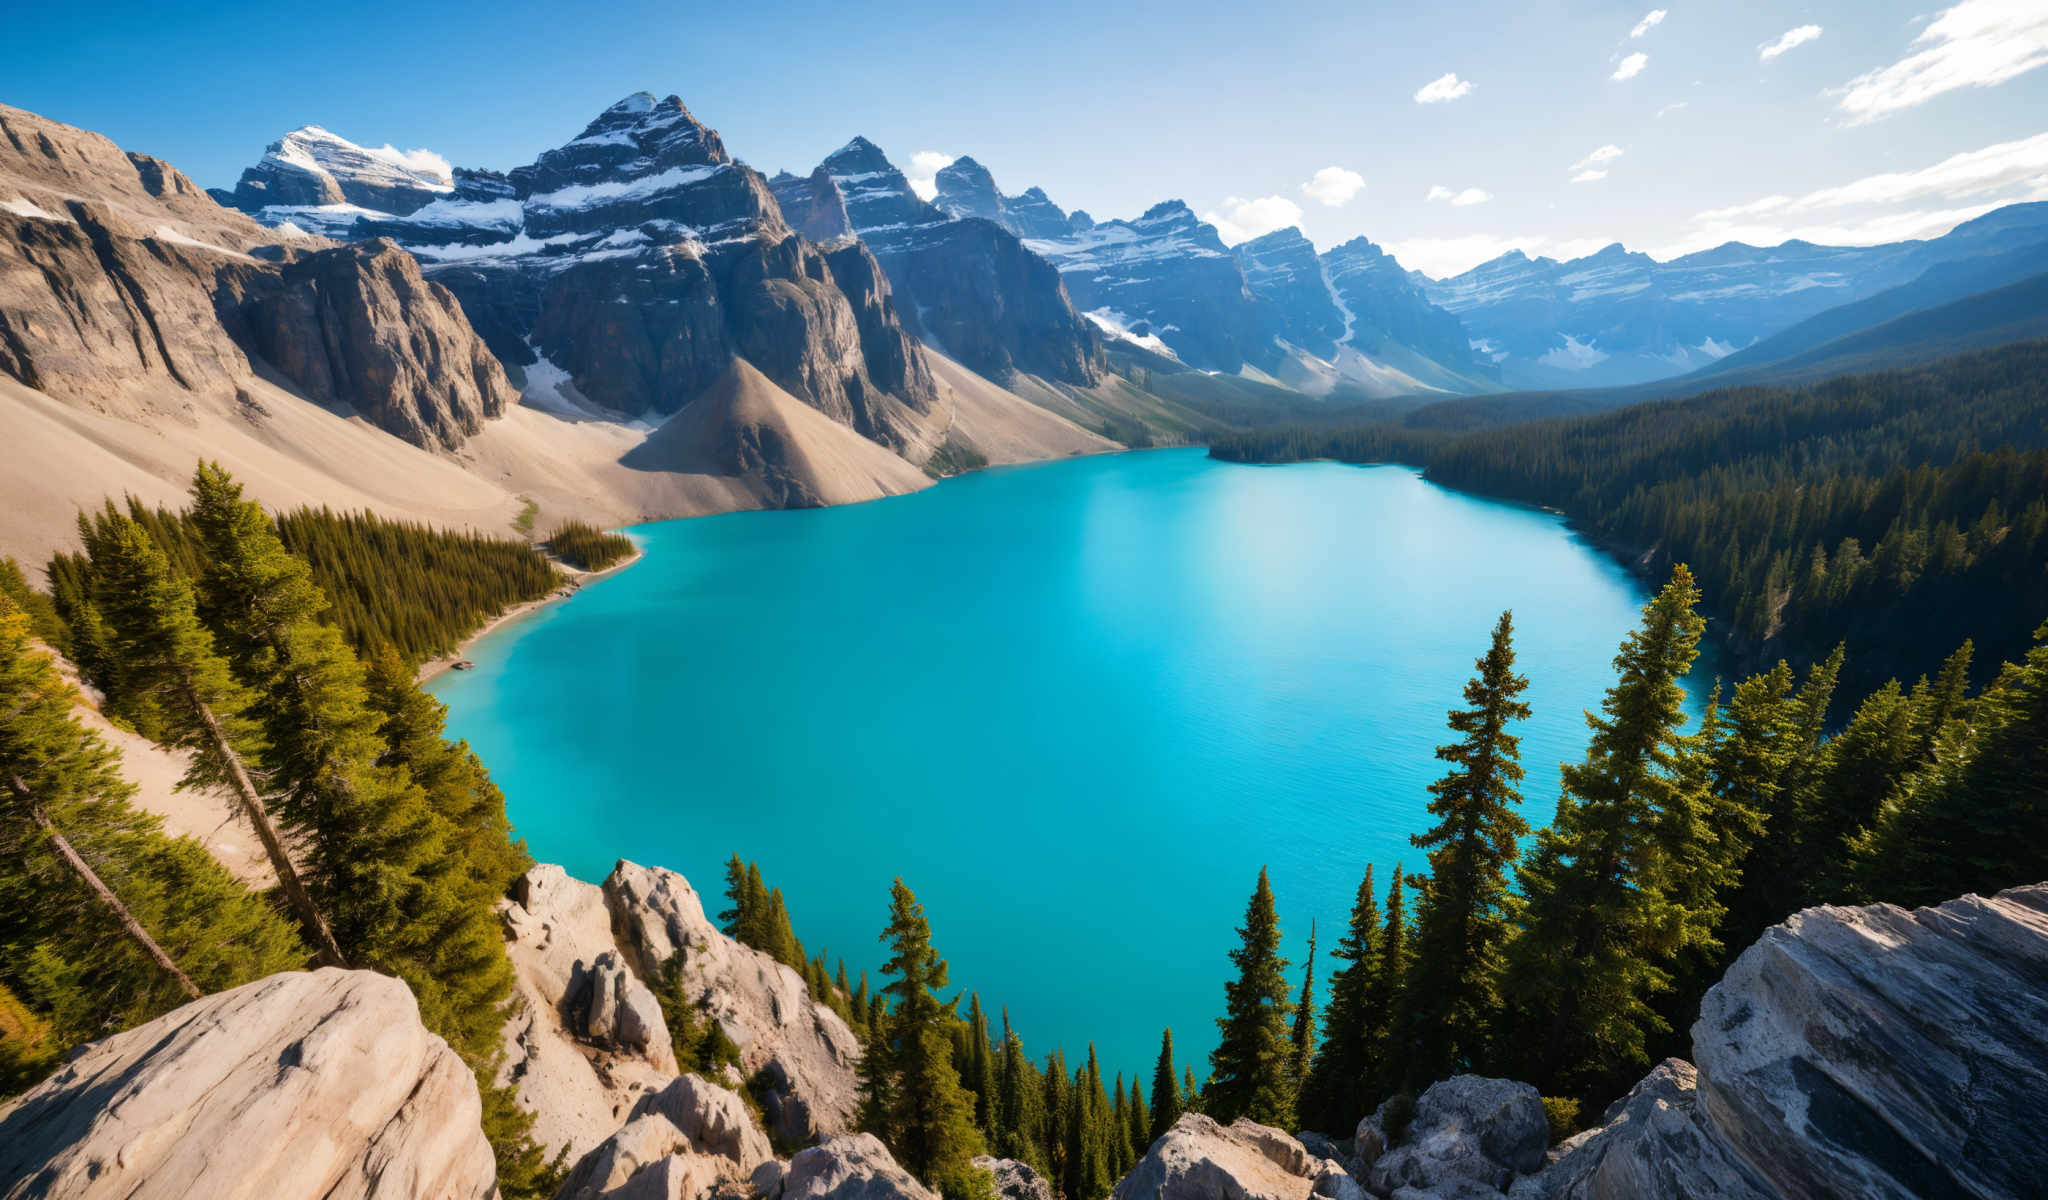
x=1448, y=131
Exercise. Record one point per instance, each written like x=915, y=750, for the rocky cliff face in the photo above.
x=296, y=1086
x=641, y=259
x=122, y=283
x=586, y=1046
x=967, y=284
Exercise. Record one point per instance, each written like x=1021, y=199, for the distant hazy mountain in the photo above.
x=1618, y=317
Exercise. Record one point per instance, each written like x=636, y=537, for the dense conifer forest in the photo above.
x=1896, y=513
x=586, y=547
x=1571, y=957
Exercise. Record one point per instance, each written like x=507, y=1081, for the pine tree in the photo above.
x=1604, y=914
x=931, y=1117
x=1249, y=1068
x=735, y=915
x=1461, y=918
x=1383, y=998
x=1304, y=1035
x=1140, y=1125
x=1166, y=1099
x=166, y=658
x=1976, y=819
x=104, y=921
x=1338, y=1088
x=977, y=1073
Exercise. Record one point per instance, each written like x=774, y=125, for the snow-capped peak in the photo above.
x=320, y=151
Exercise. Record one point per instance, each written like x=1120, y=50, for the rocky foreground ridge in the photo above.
x=1870, y=1052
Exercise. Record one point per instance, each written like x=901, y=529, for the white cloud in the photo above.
x=1942, y=196
x=1631, y=66
x=1464, y=198
x=1242, y=220
x=923, y=166
x=1442, y=88
x=1672, y=108
x=1654, y=18
x=1978, y=43
x=426, y=162
x=1791, y=39
x=1589, y=176
x=1334, y=186
x=1604, y=154
x=1441, y=258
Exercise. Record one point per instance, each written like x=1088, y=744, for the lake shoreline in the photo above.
x=441, y=664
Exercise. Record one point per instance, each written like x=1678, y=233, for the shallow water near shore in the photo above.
x=1076, y=706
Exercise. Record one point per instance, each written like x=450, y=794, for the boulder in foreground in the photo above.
x=320, y=1085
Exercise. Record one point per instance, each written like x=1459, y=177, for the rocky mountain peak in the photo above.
x=634, y=139
x=858, y=155
x=966, y=189
x=311, y=167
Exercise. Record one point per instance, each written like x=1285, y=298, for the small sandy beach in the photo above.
x=576, y=581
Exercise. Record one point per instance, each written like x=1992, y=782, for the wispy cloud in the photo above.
x=923, y=166
x=1878, y=208
x=1441, y=258
x=1672, y=108
x=1241, y=220
x=1631, y=66
x=1605, y=154
x=1791, y=39
x=1443, y=88
x=1651, y=20
x=1978, y=43
x=1589, y=176
x=1333, y=186
x=1461, y=198
x=426, y=162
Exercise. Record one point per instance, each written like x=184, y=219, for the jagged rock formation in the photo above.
x=849, y=1167
x=812, y=205
x=1392, y=327
x=1618, y=316
x=690, y=1139
x=122, y=283
x=1198, y=1159
x=1870, y=1052
x=321, y=182
x=641, y=260
x=583, y=957
x=968, y=285
x=802, y=1049
x=319, y=1086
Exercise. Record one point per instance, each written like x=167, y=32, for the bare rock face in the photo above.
x=358, y=326
x=1015, y=1180
x=1885, y=1053
x=122, y=283
x=1868, y=1052
x=617, y=1011
x=319, y=1085
x=1651, y=1142
x=1467, y=1130
x=691, y=1139
x=812, y=204
x=580, y=1092
x=803, y=1048
x=1199, y=1159
x=852, y=1166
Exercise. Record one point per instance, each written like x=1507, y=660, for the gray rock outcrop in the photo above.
x=1870, y=1052
x=1015, y=1180
x=1468, y=1133
x=1885, y=1053
x=688, y=1140
x=320, y=1085
x=1199, y=1159
x=853, y=1166
x=803, y=1050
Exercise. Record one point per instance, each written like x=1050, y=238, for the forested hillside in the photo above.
x=1899, y=513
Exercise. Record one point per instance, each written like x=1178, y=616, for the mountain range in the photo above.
x=833, y=335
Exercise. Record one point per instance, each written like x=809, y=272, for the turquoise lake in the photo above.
x=1076, y=706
